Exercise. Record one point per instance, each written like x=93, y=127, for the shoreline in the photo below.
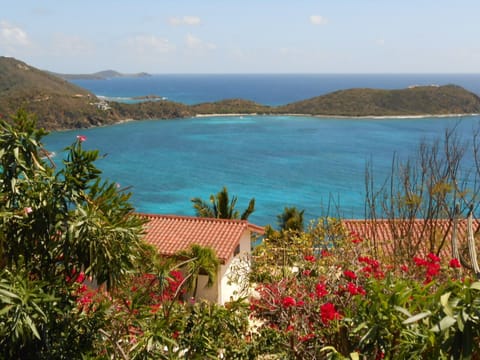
x=379, y=117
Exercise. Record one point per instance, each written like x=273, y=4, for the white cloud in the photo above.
x=185, y=20
x=11, y=35
x=318, y=20
x=150, y=44
x=195, y=43
x=71, y=45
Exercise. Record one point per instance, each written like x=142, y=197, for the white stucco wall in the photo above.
x=223, y=292
x=227, y=292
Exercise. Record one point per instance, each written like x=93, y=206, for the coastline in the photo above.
x=379, y=117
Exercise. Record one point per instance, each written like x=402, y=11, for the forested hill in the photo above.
x=59, y=104
x=417, y=100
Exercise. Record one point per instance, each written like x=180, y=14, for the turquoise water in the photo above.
x=316, y=164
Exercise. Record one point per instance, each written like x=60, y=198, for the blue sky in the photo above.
x=226, y=36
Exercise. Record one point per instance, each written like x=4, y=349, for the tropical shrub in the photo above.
x=342, y=303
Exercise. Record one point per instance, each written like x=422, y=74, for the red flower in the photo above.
x=419, y=262
x=433, y=269
x=325, y=253
x=350, y=274
x=356, y=238
x=355, y=290
x=80, y=278
x=309, y=258
x=321, y=290
x=307, y=337
x=306, y=272
x=288, y=301
x=455, y=264
x=81, y=138
x=404, y=268
x=328, y=313
x=433, y=258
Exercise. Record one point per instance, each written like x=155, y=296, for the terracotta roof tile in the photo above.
x=387, y=233
x=170, y=234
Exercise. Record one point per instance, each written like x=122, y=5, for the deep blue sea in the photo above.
x=316, y=164
x=267, y=89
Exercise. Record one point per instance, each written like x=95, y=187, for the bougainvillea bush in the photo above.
x=341, y=303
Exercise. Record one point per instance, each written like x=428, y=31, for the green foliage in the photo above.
x=53, y=224
x=198, y=260
x=221, y=207
x=291, y=219
x=22, y=314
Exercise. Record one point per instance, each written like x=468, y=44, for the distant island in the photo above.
x=60, y=104
x=101, y=75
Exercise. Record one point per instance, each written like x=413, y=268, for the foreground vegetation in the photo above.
x=314, y=293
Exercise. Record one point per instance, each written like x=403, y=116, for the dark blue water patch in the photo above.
x=267, y=89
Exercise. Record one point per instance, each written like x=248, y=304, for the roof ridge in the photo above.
x=196, y=218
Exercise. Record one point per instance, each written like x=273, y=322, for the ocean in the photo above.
x=266, y=89
x=315, y=164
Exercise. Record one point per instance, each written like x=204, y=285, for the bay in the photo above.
x=316, y=164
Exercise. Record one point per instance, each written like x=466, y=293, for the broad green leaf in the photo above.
x=446, y=306
x=6, y=309
x=445, y=323
x=9, y=294
x=475, y=285
x=403, y=310
x=416, y=318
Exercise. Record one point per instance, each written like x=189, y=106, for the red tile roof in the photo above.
x=170, y=234
x=388, y=234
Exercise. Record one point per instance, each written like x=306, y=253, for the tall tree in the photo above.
x=291, y=219
x=221, y=207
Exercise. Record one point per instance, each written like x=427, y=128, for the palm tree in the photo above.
x=198, y=260
x=291, y=219
x=221, y=207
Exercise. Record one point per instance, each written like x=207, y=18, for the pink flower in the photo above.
x=27, y=210
x=455, y=264
x=81, y=138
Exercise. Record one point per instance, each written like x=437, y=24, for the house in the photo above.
x=231, y=239
x=416, y=237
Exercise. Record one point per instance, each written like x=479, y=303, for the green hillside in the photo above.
x=59, y=104
x=418, y=100
x=62, y=105
x=231, y=106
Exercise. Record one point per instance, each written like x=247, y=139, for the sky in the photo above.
x=248, y=36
